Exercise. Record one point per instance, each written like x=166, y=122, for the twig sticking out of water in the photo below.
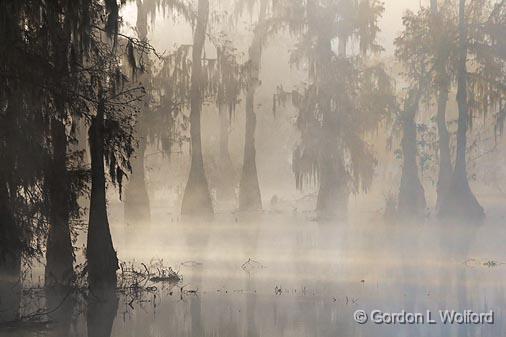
x=136, y=281
x=278, y=290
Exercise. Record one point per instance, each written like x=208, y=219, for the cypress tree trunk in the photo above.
x=433, y=6
x=137, y=207
x=59, y=254
x=445, y=165
x=411, y=193
x=332, y=200
x=460, y=202
x=100, y=253
x=197, y=199
x=249, y=190
x=224, y=139
x=227, y=174
x=10, y=257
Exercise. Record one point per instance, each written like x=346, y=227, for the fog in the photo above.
x=252, y=167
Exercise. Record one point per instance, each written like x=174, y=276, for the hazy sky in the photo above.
x=391, y=23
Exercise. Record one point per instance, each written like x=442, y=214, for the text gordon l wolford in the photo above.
x=428, y=317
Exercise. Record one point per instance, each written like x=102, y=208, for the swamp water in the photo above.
x=282, y=274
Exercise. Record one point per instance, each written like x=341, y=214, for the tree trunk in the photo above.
x=433, y=6
x=137, y=208
x=10, y=258
x=100, y=253
x=224, y=131
x=332, y=200
x=411, y=193
x=59, y=254
x=445, y=165
x=461, y=203
x=227, y=174
x=197, y=199
x=249, y=189
x=250, y=198
x=142, y=20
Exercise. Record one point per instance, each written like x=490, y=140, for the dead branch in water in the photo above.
x=136, y=282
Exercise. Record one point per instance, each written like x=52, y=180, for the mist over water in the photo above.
x=251, y=168
x=281, y=274
x=324, y=273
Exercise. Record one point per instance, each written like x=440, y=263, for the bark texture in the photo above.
x=197, y=199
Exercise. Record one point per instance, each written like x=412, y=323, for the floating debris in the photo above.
x=491, y=264
x=192, y=264
x=185, y=292
x=483, y=263
x=351, y=300
x=252, y=265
